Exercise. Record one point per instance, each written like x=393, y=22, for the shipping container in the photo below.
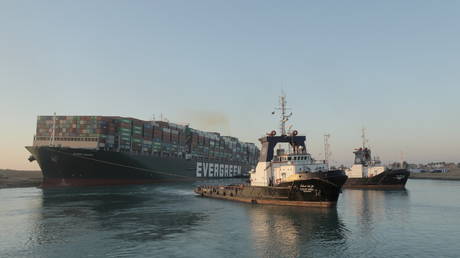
x=129, y=134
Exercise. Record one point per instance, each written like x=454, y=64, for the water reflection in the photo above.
x=292, y=231
x=371, y=206
x=131, y=213
x=373, y=215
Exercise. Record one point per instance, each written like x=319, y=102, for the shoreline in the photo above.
x=20, y=178
x=454, y=174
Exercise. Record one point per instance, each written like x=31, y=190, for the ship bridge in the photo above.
x=269, y=143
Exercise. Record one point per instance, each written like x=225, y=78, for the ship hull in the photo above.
x=69, y=166
x=318, y=190
x=389, y=179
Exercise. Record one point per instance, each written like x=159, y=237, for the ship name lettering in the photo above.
x=211, y=169
x=204, y=169
x=221, y=170
x=198, y=169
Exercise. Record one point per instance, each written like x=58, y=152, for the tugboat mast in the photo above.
x=364, y=137
x=284, y=116
x=326, y=148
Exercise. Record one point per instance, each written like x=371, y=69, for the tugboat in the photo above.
x=290, y=178
x=369, y=173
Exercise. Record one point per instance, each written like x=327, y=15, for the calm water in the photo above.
x=170, y=221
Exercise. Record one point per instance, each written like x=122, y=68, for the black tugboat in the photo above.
x=293, y=178
x=369, y=173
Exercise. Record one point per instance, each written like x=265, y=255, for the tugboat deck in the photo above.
x=231, y=193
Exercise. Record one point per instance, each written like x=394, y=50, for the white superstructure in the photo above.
x=364, y=166
x=360, y=171
x=285, y=167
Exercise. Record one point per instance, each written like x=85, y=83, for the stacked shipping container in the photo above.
x=147, y=137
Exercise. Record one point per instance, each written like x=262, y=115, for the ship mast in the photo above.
x=284, y=116
x=326, y=148
x=363, y=136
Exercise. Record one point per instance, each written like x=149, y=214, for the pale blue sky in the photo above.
x=392, y=66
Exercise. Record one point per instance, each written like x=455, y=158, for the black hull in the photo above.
x=389, y=179
x=67, y=166
x=317, y=190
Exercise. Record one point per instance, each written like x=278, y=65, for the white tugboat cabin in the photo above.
x=283, y=167
x=364, y=166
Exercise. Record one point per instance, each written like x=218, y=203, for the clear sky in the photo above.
x=391, y=66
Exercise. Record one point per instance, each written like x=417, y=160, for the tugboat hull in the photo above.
x=389, y=179
x=311, y=192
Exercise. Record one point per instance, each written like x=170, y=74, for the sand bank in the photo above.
x=19, y=178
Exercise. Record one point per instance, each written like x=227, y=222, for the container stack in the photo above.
x=124, y=132
x=67, y=127
x=147, y=139
x=138, y=136
x=157, y=135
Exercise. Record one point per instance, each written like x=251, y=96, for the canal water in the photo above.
x=170, y=221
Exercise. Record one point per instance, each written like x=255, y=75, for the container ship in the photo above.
x=103, y=150
x=286, y=177
x=369, y=173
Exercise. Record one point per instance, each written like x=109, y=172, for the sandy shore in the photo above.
x=18, y=178
x=453, y=174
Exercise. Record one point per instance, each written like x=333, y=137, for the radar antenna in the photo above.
x=284, y=117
